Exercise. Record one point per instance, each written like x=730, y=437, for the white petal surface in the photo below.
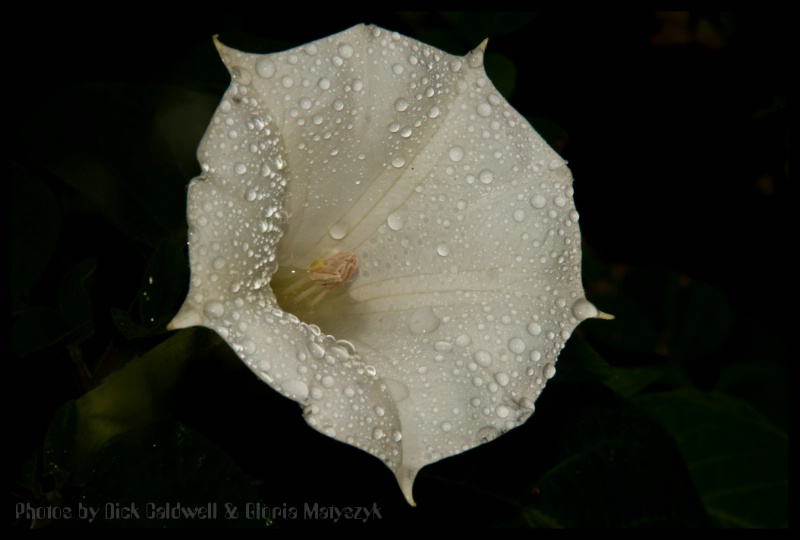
x=461, y=218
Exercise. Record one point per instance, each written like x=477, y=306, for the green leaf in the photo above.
x=74, y=302
x=36, y=329
x=163, y=286
x=169, y=477
x=136, y=396
x=616, y=468
x=738, y=460
x=35, y=225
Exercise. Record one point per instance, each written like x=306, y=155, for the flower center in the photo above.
x=300, y=291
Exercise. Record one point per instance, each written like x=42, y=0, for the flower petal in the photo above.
x=371, y=149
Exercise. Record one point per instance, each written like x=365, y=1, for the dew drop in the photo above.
x=346, y=50
x=484, y=109
x=463, y=340
x=377, y=434
x=583, y=309
x=517, y=345
x=519, y=215
x=433, y=112
x=396, y=220
x=248, y=346
x=338, y=231
x=456, y=153
x=502, y=411
x=423, y=321
x=486, y=176
x=488, y=433
x=538, y=201
x=443, y=250
x=549, y=370
x=296, y=389
x=265, y=68
x=534, y=329
x=215, y=309
x=398, y=161
x=401, y=105
x=442, y=346
x=316, y=350
x=483, y=358
x=447, y=426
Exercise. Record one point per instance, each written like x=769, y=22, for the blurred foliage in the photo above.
x=674, y=414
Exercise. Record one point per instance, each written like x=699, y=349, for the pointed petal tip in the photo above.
x=483, y=45
x=406, y=480
x=186, y=318
x=604, y=316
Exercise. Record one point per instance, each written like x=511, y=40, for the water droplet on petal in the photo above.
x=296, y=389
x=443, y=346
x=583, y=309
x=443, y=250
x=316, y=350
x=534, y=329
x=215, y=309
x=346, y=50
x=265, y=68
x=456, y=153
x=516, y=345
x=488, y=433
x=396, y=220
x=538, y=201
x=549, y=370
x=398, y=161
x=338, y=231
x=501, y=378
x=483, y=358
x=423, y=321
x=484, y=109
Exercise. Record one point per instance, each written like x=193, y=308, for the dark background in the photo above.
x=676, y=130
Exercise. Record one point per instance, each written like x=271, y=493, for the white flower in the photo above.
x=382, y=238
